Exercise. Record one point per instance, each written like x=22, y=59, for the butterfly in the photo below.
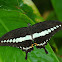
x=26, y=37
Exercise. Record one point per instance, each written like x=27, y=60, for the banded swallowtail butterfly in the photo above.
x=23, y=37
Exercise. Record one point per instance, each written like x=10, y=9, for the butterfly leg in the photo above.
x=26, y=55
x=27, y=46
x=45, y=50
x=37, y=46
x=29, y=50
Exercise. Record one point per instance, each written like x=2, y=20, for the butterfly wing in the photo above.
x=22, y=37
x=43, y=31
x=19, y=38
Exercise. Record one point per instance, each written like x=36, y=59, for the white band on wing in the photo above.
x=35, y=35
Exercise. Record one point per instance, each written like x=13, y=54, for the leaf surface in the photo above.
x=16, y=14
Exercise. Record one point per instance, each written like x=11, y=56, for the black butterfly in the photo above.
x=23, y=38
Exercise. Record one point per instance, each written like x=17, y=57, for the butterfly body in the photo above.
x=23, y=38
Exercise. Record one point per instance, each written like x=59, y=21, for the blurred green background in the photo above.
x=16, y=14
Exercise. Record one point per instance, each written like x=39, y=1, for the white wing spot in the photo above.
x=46, y=40
x=10, y=40
x=7, y=41
x=46, y=32
x=4, y=41
x=35, y=35
x=49, y=39
x=44, y=43
x=26, y=48
x=28, y=37
x=52, y=29
x=57, y=26
x=20, y=47
x=40, y=44
x=14, y=40
x=49, y=30
x=41, y=33
x=60, y=25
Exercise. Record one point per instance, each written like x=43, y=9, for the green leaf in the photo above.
x=58, y=10
x=57, y=4
x=52, y=16
x=24, y=5
x=16, y=14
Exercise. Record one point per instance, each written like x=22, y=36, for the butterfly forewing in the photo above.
x=19, y=38
x=43, y=31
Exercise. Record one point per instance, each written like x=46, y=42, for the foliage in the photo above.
x=16, y=14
